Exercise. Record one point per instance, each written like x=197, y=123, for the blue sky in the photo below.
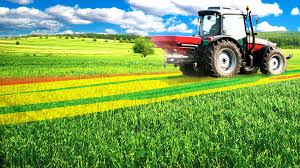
x=143, y=17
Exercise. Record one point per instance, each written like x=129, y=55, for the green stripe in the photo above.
x=98, y=84
x=140, y=95
x=131, y=96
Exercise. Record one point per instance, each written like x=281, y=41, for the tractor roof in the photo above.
x=220, y=11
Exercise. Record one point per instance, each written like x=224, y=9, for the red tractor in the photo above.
x=225, y=46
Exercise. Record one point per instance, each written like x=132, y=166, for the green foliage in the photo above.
x=283, y=39
x=143, y=46
x=72, y=37
x=94, y=39
x=241, y=128
x=41, y=37
x=80, y=57
x=46, y=37
x=17, y=43
x=67, y=37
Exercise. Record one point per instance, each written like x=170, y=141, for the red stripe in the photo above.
x=16, y=81
x=286, y=77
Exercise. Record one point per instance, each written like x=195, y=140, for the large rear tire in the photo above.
x=274, y=63
x=223, y=59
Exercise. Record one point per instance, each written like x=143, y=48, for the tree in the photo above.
x=17, y=43
x=143, y=46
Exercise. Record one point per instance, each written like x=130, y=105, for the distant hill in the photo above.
x=283, y=39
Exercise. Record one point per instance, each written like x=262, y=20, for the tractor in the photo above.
x=225, y=46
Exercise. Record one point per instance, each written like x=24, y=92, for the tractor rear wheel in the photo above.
x=274, y=63
x=249, y=70
x=223, y=59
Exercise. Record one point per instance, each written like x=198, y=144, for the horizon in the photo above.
x=147, y=18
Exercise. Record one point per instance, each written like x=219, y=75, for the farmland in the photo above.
x=145, y=115
x=73, y=57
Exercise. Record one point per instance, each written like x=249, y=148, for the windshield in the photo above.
x=210, y=25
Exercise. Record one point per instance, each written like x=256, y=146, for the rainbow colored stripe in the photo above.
x=42, y=101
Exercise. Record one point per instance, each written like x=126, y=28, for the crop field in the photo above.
x=75, y=103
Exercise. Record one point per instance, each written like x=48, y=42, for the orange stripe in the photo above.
x=16, y=81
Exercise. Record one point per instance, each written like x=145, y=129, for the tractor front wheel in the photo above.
x=223, y=59
x=274, y=63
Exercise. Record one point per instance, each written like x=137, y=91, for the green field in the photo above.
x=254, y=126
x=73, y=57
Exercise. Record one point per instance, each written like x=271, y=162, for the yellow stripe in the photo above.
x=99, y=91
x=8, y=89
x=15, y=118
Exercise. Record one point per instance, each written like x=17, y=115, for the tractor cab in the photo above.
x=222, y=21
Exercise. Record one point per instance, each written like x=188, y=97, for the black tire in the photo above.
x=249, y=70
x=189, y=70
x=273, y=63
x=214, y=61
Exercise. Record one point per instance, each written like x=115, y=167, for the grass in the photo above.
x=251, y=127
x=254, y=127
x=72, y=57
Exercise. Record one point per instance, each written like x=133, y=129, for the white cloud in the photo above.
x=295, y=11
x=266, y=27
x=191, y=7
x=110, y=31
x=157, y=7
x=195, y=22
x=182, y=28
x=21, y=2
x=138, y=32
x=67, y=14
x=4, y=11
x=299, y=29
x=133, y=21
x=24, y=18
x=67, y=32
x=28, y=13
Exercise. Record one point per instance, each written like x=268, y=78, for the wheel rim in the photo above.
x=276, y=64
x=226, y=61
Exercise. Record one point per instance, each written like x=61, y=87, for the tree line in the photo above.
x=283, y=39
